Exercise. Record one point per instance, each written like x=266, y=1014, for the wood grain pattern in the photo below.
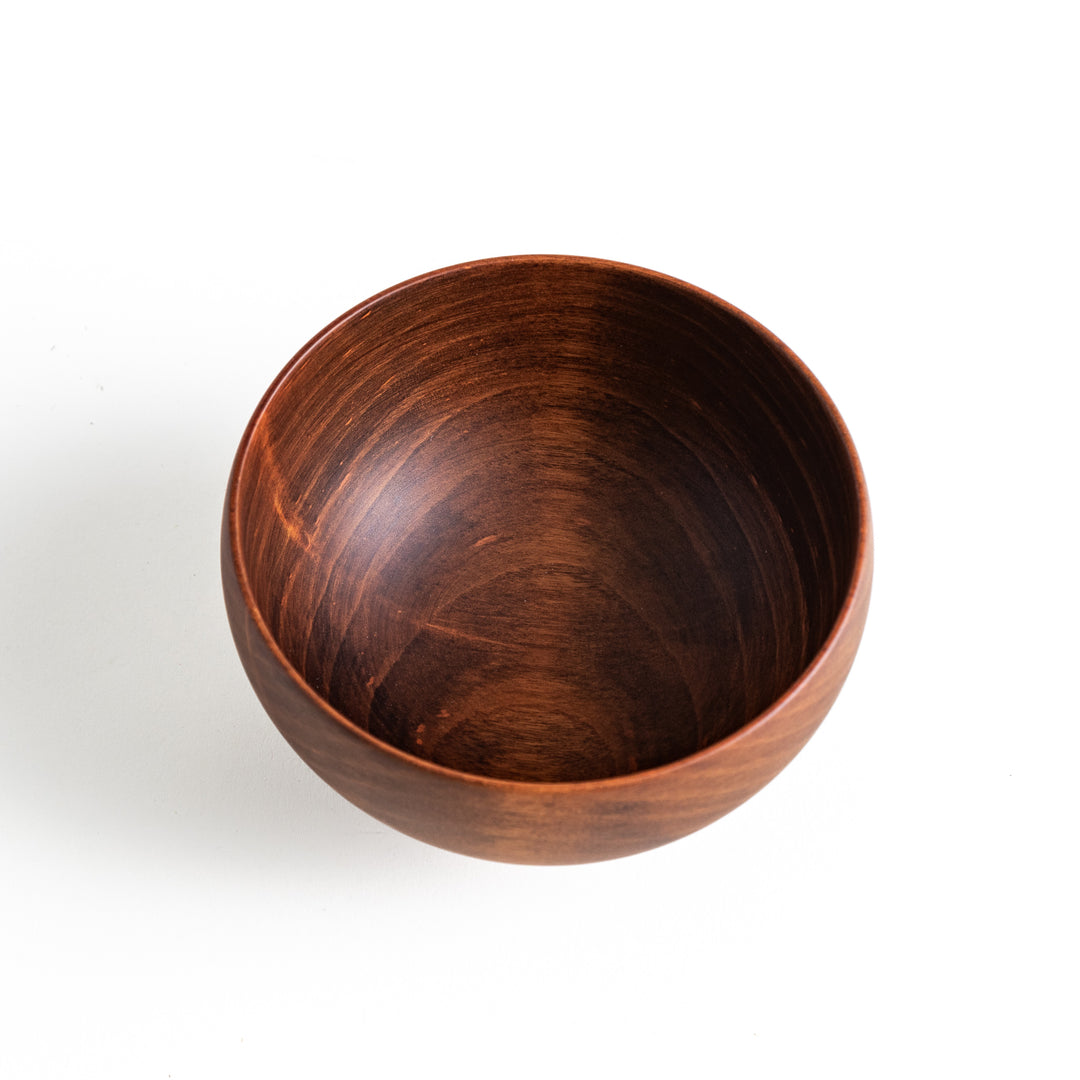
x=546, y=559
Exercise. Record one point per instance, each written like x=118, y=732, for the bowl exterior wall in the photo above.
x=535, y=822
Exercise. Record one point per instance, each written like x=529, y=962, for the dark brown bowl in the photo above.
x=546, y=559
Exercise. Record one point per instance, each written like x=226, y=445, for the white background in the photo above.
x=190, y=192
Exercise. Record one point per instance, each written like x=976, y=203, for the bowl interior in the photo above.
x=548, y=520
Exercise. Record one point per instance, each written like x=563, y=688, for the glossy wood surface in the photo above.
x=546, y=559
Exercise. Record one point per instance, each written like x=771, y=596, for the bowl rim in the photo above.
x=854, y=597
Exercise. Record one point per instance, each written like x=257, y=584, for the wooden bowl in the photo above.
x=546, y=559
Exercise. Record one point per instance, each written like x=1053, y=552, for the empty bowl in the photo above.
x=546, y=559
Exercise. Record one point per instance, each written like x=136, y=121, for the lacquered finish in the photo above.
x=546, y=559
